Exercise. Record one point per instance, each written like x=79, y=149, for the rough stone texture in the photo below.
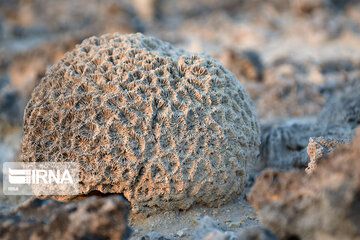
x=285, y=146
x=323, y=205
x=210, y=229
x=344, y=109
x=318, y=148
x=167, y=128
x=90, y=218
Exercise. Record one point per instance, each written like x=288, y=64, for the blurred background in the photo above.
x=293, y=57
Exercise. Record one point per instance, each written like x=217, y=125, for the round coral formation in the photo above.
x=165, y=127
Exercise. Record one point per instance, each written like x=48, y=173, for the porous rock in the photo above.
x=90, y=218
x=286, y=146
x=318, y=147
x=322, y=205
x=165, y=127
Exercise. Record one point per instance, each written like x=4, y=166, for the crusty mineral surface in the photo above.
x=291, y=146
x=163, y=126
x=321, y=205
x=318, y=147
x=90, y=218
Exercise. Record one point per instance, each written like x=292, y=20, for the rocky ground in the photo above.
x=300, y=64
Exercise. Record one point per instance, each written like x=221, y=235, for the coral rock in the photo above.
x=318, y=148
x=90, y=218
x=163, y=126
x=286, y=146
x=322, y=205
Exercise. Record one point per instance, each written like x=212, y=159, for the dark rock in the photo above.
x=285, y=146
x=90, y=218
x=322, y=205
x=343, y=109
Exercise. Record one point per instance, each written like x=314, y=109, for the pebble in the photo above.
x=181, y=233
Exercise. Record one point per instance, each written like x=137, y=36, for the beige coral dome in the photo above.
x=165, y=127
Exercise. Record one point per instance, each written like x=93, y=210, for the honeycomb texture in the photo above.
x=165, y=127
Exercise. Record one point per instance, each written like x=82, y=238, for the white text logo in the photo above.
x=20, y=176
x=40, y=178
